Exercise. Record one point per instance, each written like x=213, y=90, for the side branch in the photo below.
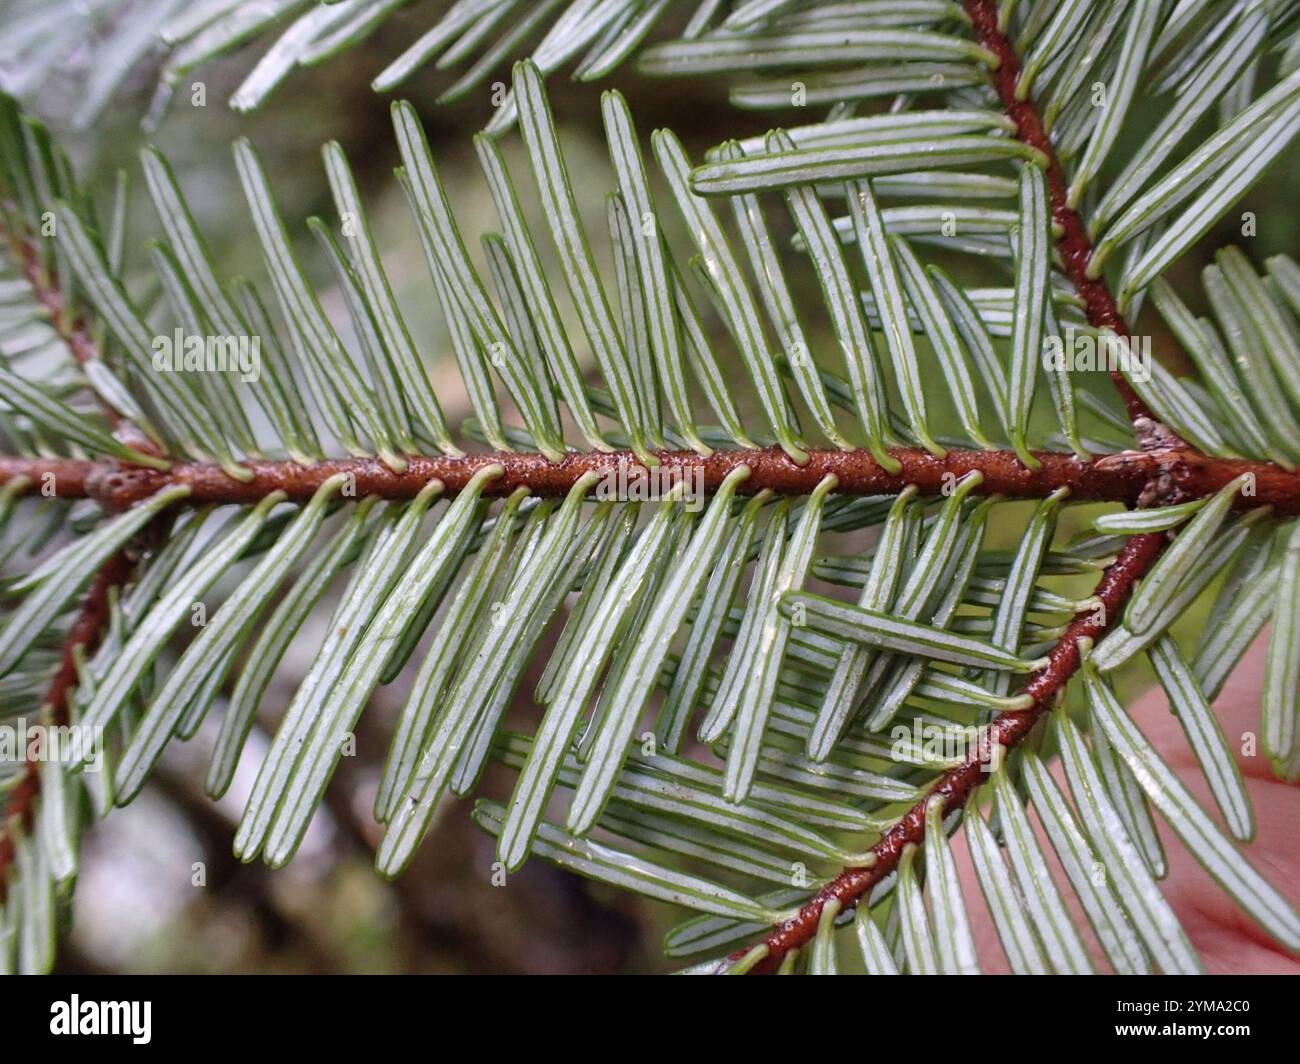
x=1075, y=246
x=84, y=634
x=1122, y=477
x=956, y=785
x=71, y=327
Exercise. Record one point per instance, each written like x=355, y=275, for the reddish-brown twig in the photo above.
x=84, y=635
x=70, y=324
x=1074, y=243
x=1122, y=477
x=956, y=785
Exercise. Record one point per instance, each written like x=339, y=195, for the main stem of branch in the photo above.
x=1123, y=477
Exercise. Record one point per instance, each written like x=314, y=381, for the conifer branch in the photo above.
x=382, y=404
